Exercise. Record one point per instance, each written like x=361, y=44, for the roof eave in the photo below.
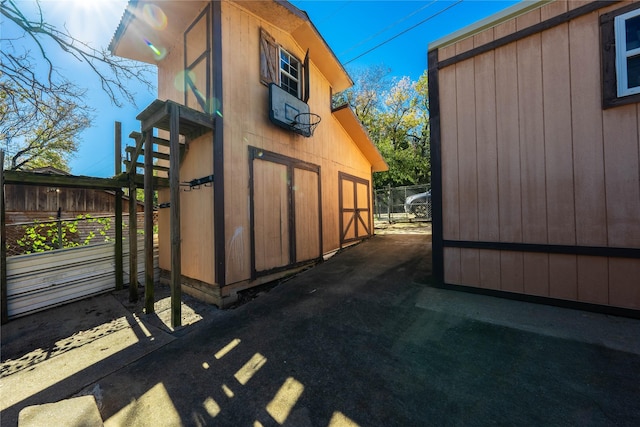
x=349, y=121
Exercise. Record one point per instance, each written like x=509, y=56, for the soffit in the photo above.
x=347, y=118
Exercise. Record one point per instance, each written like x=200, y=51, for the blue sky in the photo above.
x=351, y=28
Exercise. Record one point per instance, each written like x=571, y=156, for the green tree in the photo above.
x=40, y=132
x=395, y=113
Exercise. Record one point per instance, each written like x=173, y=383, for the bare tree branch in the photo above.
x=113, y=73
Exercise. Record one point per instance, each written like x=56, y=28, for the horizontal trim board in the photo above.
x=602, y=251
x=536, y=299
x=526, y=32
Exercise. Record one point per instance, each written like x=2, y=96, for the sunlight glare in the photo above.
x=90, y=21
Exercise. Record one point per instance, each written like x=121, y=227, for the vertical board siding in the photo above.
x=522, y=128
x=449, y=130
x=39, y=281
x=586, y=125
x=508, y=152
x=558, y=160
x=624, y=289
x=305, y=193
x=622, y=170
x=467, y=168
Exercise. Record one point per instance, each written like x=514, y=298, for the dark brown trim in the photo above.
x=600, y=251
x=608, y=60
x=535, y=299
x=218, y=148
x=291, y=164
x=206, y=56
x=436, y=168
x=534, y=29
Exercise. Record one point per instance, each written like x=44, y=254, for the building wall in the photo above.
x=247, y=124
x=529, y=156
x=196, y=206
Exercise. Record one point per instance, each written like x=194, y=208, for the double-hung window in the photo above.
x=620, y=38
x=289, y=73
x=627, y=35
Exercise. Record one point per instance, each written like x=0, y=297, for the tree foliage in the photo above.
x=396, y=115
x=41, y=110
x=46, y=135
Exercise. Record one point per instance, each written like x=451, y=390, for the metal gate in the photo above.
x=43, y=280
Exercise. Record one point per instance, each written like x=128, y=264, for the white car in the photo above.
x=418, y=204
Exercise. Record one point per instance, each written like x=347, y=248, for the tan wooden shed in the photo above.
x=535, y=125
x=264, y=193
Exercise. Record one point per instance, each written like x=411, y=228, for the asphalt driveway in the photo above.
x=360, y=340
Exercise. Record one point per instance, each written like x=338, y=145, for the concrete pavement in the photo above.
x=361, y=339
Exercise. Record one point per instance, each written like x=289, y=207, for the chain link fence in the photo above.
x=403, y=204
x=53, y=233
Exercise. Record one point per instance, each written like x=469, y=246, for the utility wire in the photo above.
x=331, y=14
x=399, y=21
x=403, y=32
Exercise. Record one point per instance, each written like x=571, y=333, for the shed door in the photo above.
x=355, y=208
x=285, y=212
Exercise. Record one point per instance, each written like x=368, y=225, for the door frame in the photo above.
x=356, y=218
x=291, y=164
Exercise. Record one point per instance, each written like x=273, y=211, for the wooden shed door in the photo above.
x=285, y=212
x=355, y=208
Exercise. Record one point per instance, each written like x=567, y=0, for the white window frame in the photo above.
x=622, y=54
x=286, y=73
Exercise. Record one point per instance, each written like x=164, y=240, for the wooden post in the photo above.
x=174, y=182
x=118, y=219
x=3, y=248
x=148, y=223
x=118, y=250
x=133, y=238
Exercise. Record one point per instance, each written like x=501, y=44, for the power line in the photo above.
x=331, y=14
x=401, y=20
x=403, y=32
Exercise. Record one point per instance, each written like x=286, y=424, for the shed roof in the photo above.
x=358, y=133
x=135, y=33
x=489, y=22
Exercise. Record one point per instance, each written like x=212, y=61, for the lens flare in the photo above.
x=158, y=52
x=154, y=16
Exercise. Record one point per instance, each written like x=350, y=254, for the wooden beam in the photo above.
x=157, y=181
x=4, y=316
x=133, y=239
x=156, y=155
x=174, y=214
x=119, y=269
x=118, y=148
x=31, y=178
x=135, y=152
x=142, y=165
x=148, y=225
x=155, y=139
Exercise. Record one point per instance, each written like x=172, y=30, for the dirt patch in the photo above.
x=414, y=227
